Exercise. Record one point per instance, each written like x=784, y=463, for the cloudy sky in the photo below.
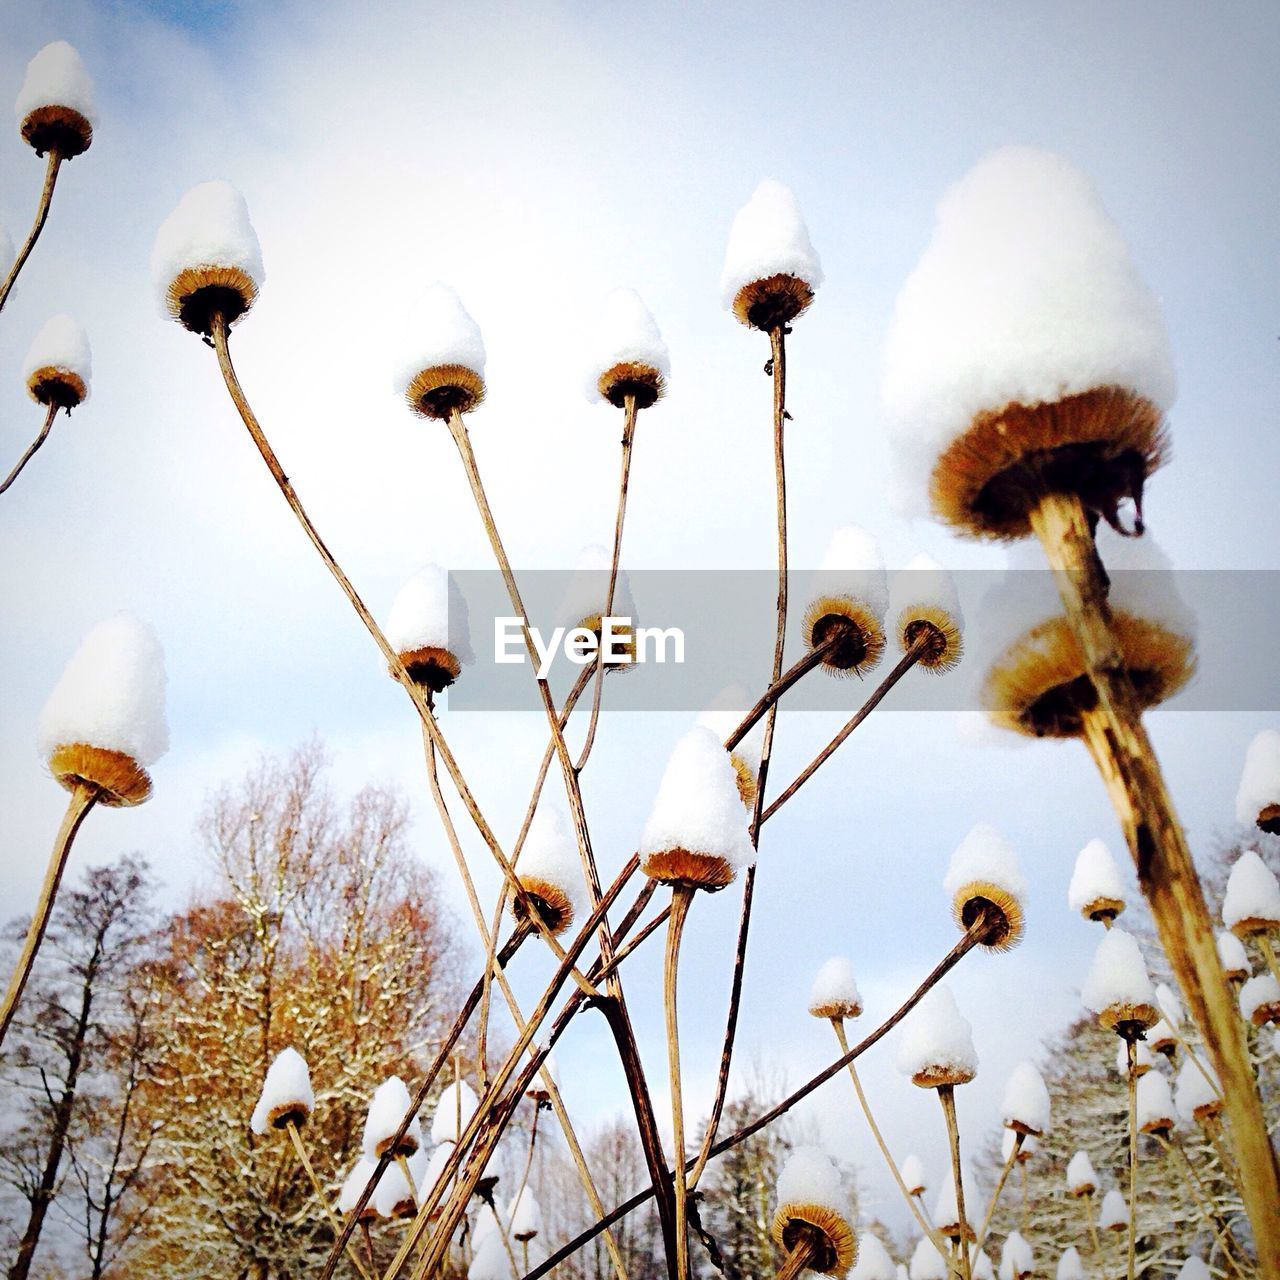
x=536, y=157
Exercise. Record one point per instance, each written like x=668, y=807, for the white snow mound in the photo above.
x=768, y=238
x=288, y=1083
x=624, y=332
x=56, y=77
x=61, y=344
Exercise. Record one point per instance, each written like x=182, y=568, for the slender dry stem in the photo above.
x=947, y=1096
x=797, y=1261
x=52, y=165
x=999, y=1188
x=681, y=898
x=82, y=800
x=1269, y=954
x=305, y=1160
x=1132, y=1043
x=50, y=413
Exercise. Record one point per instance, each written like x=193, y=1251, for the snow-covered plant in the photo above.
x=1026, y=1106
x=1118, y=988
x=387, y=1110
x=814, y=1217
x=427, y=626
x=834, y=993
x=59, y=364
x=629, y=359
x=846, y=603
x=936, y=1047
x=454, y=1108
x=286, y=1097
x=550, y=871
x=1252, y=902
x=1096, y=891
x=1081, y=1178
x=987, y=888
x=924, y=610
x=55, y=107
x=442, y=369
x=1258, y=797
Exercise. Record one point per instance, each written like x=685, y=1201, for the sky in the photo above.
x=535, y=157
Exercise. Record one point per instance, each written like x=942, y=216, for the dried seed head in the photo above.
x=119, y=780
x=833, y=1238
x=855, y=628
x=60, y=129
x=552, y=903
x=772, y=303
x=197, y=294
x=62, y=387
x=631, y=378
x=431, y=667
x=687, y=869
x=441, y=390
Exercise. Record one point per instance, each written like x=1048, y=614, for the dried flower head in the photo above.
x=629, y=357
x=59, y=364
x=55, y=106
x=1096, y=890
x=987, y=886
x=1251, y=905
x=847, y=602
x=1118, y=988
x=814, y=1209
x=1235, y=961
x=835, y=992
x=1260, y=1000
x=287, y=1097
x=936, y=1046
x=1258, y=799
x=550, y=871
x=443, y=370
x=923, y=602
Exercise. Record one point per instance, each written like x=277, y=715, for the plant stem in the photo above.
x=1220, y=1227
x=1269, y=952
x=49, y=416
x=995, y=1195
x=947, y=1096
x=837, y=1025
x=801, y=667
x=681, y=898
x=798, y=1259
x=1133, y=1152
x=1166, y=871
x=1093, y=1229
x=335, y=1222
x=83, y=798
x=53, y=164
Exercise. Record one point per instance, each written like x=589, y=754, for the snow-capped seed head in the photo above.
x=1096, y=890
x=1260, y=1000
x=206, y=262
x=1197, y=1099
x=847, y=599
x=537, y=1089
x=429, y=628
x=927, y=1263
x=834, y=993
x=59, y=367
x=874, y=1262
x=1018, y=1145
x=696, y=836
x=286, y=1096
x=725, y=713
x=387, y=1109
x=1235, y=960
x=1194, y=1269
x=550, y=871
x=525, y=1216
x=353, y=1188
x=913, y=1178
x=1038, y=684
x=1070, y=1267
x=1081, y=1178
x=104, y=723
x=936, y=1047
x=55, y=106
x=987, y=888
x=393, y=1197
x=946, y=1209
x=814, y=1209
x=1118, y=988
x=628, y=355
x=1016, y=1258
x=442, y=372
x=924, y=606
x=1143, y=1059
x=1162, y=1038
x=1025, y=342
x=1114, y=1213
x=585, y=599
x=1258, y=799
x=454, y=1108
x=1252, y=902
x=770, y=268
x=1156, y=1112
x=1026, y=1103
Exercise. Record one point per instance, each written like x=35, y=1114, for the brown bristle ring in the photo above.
x=60, y=129
x=772, y=302
x=945, y=647
x=431, y=667
x=861, y=643
x=630, y=378
x=1005, y=919
x=51, y=385
x=445, y=389
x=687, y=869
x=549, y=900
x=197, y=294
x=837, y=1245
x=119, y=780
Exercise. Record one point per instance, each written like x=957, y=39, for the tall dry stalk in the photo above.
x=681, y=900
x=52, y=165
x=50, y=414
x=1131, y=1042
x=947, y=1097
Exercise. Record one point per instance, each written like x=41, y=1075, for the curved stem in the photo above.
x=1133, y=1153
x=52, y=166
x=305, y=1160
x=82, y=800
x=785, y=681
x=681, y=898
x=1093, y=1229
x=49, y=416
x=913, y=1204
x=995, y=1195
x=628, y=435
x=1191, y=1179
x=1269, y=953
x=947, y=1096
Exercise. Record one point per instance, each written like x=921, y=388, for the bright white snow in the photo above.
x=1252, y=894
x=946, y=1211
x=61, y=344
x=912, y=1171
x=1026, y=1100
x=111, y=694
x=1259, y=991
x=1232, y=954
x=923, y=584
x=984, y=856
x=1114, y=1212
x=387, y=1109
x=768, y=238
x=624, y=332
x=1260, y=780
x=430, y=613
x=1016, y=1256
x=525, y=1215
x=354, y=1184
x=454, y=1109
x=1096, y=877
x=1070, y=1267
x=936, y=1037
x=288, y=1084
x=56, y=77
x=1155, y=1102
x=1192, y=1091
x=550, y=854
x=724, y=714
x=1081, y=1178
x=927, y=1263
x=438, y=331
x=835, y=987
x=874, y=1262
x=1194, y=1269
x=809, y=1178
x=1118, y=974
x=853, y=566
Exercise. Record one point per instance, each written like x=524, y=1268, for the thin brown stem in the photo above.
x=1191, y=1179
x=368, y=1245
x=1093, y=1229
x=52, y=165
x=301, y=1148
x=1133, y=1154
x=50, y=414
x=1124, y=755
x=913, y=1204
x=1269, y=954
x=947, y=1097
x=1010, y=1161
x=628, y=436
x=797, y=1261
x=812, y=658
x=904, y=664
x=681, y=898
x=83, y=798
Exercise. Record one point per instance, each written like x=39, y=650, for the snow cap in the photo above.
x=435, y=1164
x=1026, y=1101
x=1025, y=294
x=60, y=353
x=724, y=714
x=980, y=1266
x=1118, y=988
x=550, y=869
x=587, y=592
x=438, y=334
x=834, y=993
x=454, y=1108
x=768, y=238
x=354, y=1183
x=984, y=873
x=874, y=1262
x=491, y=1260
x=923, y=591
x=56, y=77
x=1114, y=1214
x=936, y=1045
x=927, y=1263
x=697, y=808
x=111, y=694
x=393, y=1191
x=387, y=1109
x=1156, y=1112
x=627, y=355
x=1260, y=1000
x=1096, y=889
x=913, y=1178
x=850, y=583
x=1252, y=902
x=1195, y=1097
x=429, y=612
x=1260, y=782
x=1016, y=1256
x=286, y=1093
x=525, y=1215
x=1235, y=960
x=1070, y=1267
x=1081, y=1178
x=810, y=1178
